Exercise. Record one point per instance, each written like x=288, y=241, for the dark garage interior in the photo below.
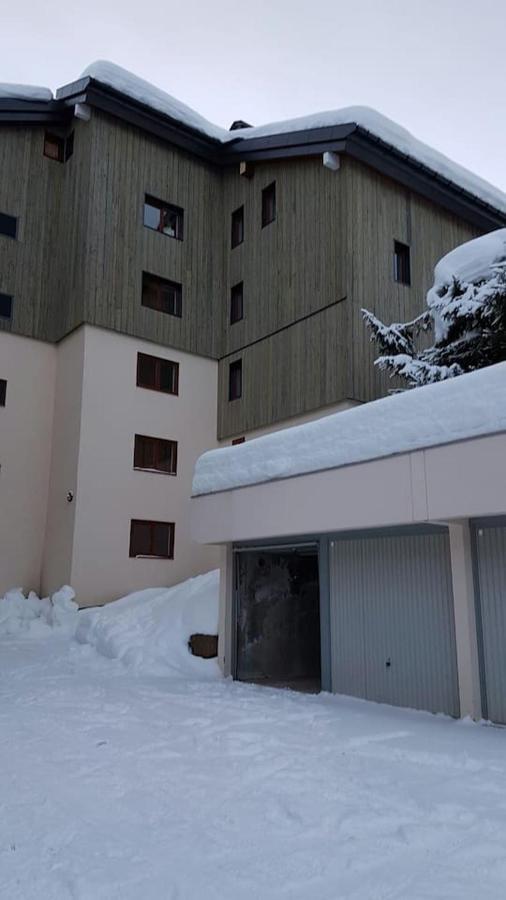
x=278, y=617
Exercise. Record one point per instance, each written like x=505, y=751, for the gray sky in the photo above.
x=438, y=67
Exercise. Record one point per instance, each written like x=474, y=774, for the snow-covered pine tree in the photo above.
x=466, y=312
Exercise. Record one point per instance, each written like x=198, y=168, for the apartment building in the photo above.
x=167, y=285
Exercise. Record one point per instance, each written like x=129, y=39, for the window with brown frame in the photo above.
x=235, y=380
x=161, y=294
x=58, y=148
x=153, y=540
x=237, y=235
x=3, y=391
x=163, y=217
x=157, y=374
x=402, y=263
x=155, y=454
x=239, y=440
x=269, y=204
x=236, y=302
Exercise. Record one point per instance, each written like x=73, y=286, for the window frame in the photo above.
x=8, y=226
x=10, y=299
x=171, y=531
x=234, y=380
x=3, y=392
x=157, y=283
x=158, y=445
x=156, y=386
x=269, y=209
x=236, y=302
x=237, y=216
x=164, y=207
x=402, y=263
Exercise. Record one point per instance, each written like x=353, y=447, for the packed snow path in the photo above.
x=116, y=785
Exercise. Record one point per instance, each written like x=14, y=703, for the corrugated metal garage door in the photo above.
x=490, y=547
x=392, y=625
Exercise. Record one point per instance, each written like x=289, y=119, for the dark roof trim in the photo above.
x=33, y=112
x=241, y=153
x=102, y=97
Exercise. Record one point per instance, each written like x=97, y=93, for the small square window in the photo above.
x=5, y=306
x=155, y=454
x=8, y=225
x=236, y=303
x=154, y=540
x=163, y=217
x=402, y=263
x=161, y=294
x=237, y=236
x=54, y=147
x=3, y=391
x=157, y=374
x=269, y=204
x=235, y=380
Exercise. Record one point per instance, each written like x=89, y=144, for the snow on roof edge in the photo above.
x=469, y=406
x=25, y=92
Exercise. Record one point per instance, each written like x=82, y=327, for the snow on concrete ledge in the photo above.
x=27, y=92
x=469, y=406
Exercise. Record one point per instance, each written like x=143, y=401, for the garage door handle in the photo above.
x=388, y=662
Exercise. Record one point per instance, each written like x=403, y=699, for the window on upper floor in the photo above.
x=237, y=235
x=157, y=374
x=3, y=391
x=163, y=217
x=402, y=263
x=235, y=380
x=269, y=204
x=5, y=306
x=8, y=225
x=161, y=294
x=155, y=454
x=236, y=303
x=154, y=540
x=58, y=148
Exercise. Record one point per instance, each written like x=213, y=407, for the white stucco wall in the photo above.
x=109, y=493
x=25, y=451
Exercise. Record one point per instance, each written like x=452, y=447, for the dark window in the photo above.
x=235, y=380
x=54, y=147
x=161, y=294
x=3, y=391
x=155, y=539
x=69, y=146
x=240, y=440
x=5, y=306
x=8, y=225
x=157, y=374
x=269, y=204
x=236, y=303
x=163, y=217
x=155, y=454
x=402, y=263
x=237, y=236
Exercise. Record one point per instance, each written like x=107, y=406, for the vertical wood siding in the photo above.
x=491, y=568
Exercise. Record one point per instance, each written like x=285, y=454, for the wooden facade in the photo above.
x=82, y=247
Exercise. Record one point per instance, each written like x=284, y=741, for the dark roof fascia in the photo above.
x=33, y=112
x=108, y=100
x=369, y=149
x=241, y=153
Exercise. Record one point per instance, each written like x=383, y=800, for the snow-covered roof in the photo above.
x=367, y=119
x=472, y=261
x=125, y=82
x=24, y=92
x=469, y=406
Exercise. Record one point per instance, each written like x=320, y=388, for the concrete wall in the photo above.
x=109, y=493
x=26, y=424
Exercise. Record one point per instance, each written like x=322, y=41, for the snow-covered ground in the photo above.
x=118, y=785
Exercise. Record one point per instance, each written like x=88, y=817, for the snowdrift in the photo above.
x=149, y=630
x=35, y=616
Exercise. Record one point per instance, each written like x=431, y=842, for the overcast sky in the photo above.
x=438, y=67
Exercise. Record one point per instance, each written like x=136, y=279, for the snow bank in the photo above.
x=36, y=616
x=24, y=92
x=149, y=630
x=144, y=92
x=464, y=407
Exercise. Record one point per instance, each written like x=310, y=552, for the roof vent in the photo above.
x=239, y=123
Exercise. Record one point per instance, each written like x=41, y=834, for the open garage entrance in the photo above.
x=278, y=617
